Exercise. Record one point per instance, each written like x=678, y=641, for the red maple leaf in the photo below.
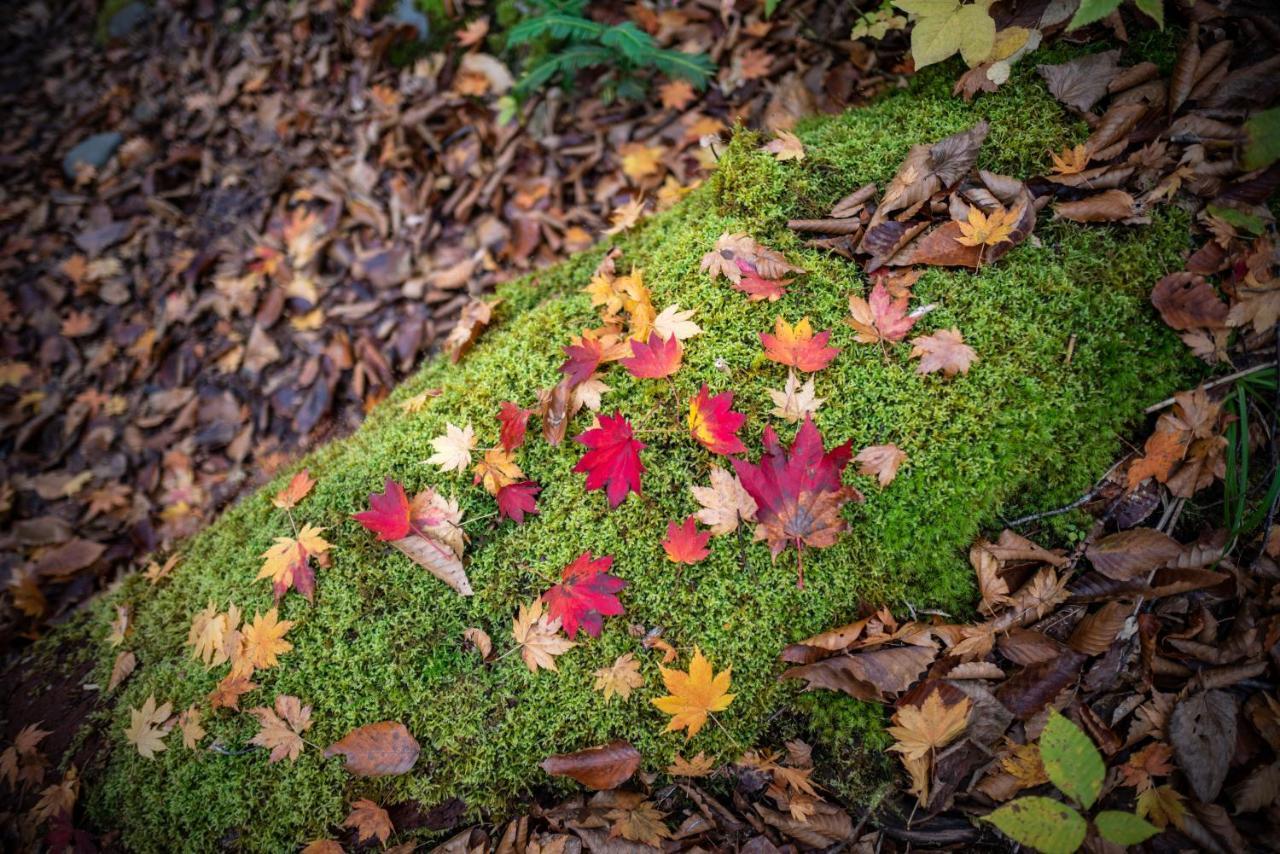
x=585, y=595
x=684, y=544
x=517, y=499
x=388, y=513
x=514, y=420
x=657, y=358
x=714, y=424
x=797, y=346
x=757, y=288
x=614, y=458
x=584, y=358
x=798, y=490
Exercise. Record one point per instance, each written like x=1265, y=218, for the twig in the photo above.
x=1058, y=511
x=1220, y=381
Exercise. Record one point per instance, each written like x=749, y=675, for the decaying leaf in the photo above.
x=620, y=678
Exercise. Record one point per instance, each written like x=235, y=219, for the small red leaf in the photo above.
x=517, y=499
x=757, y=288
x=514, y=420
x=583, y=360
x=684, y=544
x=585, y=596
x=714, y=424
x=614, y=459
x=388, y=516
x=655, y=359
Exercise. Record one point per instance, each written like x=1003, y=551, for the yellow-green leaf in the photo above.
x=1041, y=823
x=1124, y=828
x=944, y=27
x=1073, y=764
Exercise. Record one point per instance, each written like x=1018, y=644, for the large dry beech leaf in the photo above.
x=1131, y=553
x=1107, y=206
x=929, y=169
x=1083, y=81
x=875, y=675
x=604, y=767
x=377, y=750
x=1202, y=730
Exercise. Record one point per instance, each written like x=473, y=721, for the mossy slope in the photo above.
x=1026, y=427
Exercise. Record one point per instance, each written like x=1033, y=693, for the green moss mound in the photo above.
x=1027, y=427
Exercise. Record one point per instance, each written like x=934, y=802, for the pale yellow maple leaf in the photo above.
x=725, y=503
x=983, y=230
x=192, y=731
x=538, y=637
x=795, y=400
x=674, y=322
x=453, y=448
x=144, y=731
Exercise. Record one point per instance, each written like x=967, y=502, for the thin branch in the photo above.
x=1220, y=381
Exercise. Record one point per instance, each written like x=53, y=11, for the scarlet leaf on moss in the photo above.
x=514, y=420
x=798, y=346
x=586, y=595
x=388, y=513
x=654, y=359
x=713, y=424
x=684, y=544
x=517, y=499
x=613, y=461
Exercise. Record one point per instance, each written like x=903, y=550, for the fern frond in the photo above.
x=567, y=61
x=631, y=41
x=696, y=68
x=557, y=25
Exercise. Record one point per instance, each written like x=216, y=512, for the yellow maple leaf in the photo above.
x=639, y=161
x=264, y=639
x=699, y=766
x=192, y=731
x=287, y=552
x=694, y=695
x=919, y=730
x=983, y=230
x=1162, y=806
x=497, y=469
x=1072, y=161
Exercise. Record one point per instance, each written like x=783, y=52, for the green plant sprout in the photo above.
x=1075, y=767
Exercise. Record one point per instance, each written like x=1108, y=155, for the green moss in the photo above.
x=1026, y=428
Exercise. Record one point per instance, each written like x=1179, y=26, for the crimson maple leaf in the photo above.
x=614, y=459
x=684, y=544
x=758, y=288
x=798, y=490
x=388, y=513
x=797, y=346
x=585, y=595
x=514, y=420
x=714, y=424
x=517, y=499
x=657, y=358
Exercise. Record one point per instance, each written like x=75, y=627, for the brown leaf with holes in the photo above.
x=369, y=821
x=1186, y=301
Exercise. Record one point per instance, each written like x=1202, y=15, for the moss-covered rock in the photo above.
x=1028, y=426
